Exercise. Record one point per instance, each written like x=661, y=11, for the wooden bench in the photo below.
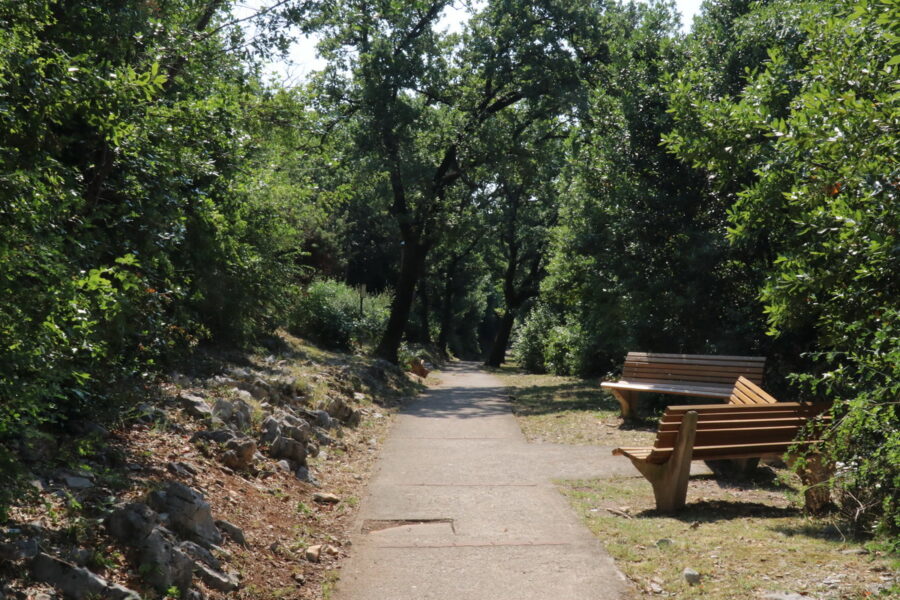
x=716, y=432
x=700, y=375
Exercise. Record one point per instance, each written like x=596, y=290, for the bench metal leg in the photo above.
x=628, y=402
x=670, y=480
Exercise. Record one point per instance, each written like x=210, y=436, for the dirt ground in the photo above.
x=276, y=511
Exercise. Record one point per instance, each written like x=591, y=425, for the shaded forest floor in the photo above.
x=747, y=539
x=296, y=530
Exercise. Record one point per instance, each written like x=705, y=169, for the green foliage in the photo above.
x=529, y=345
x=128, y=229
x=336, y=315
x=811, y=139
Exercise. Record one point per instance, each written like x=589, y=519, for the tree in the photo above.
x=521, y=209
x=812, y=134
x=419, y=99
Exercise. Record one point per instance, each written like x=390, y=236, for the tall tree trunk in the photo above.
x=446, y=310
x=424, y=321
x=498, y=350
x=411, y=262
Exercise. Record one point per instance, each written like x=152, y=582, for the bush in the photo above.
x=863, y=445
x=331, y=313
x=529, y=345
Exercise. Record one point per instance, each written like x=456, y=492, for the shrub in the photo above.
x=333, y=314
x=530, y=342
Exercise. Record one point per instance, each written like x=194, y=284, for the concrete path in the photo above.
x=461, y=507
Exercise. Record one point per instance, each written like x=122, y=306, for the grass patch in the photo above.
x=744, y=540
x=570, y=410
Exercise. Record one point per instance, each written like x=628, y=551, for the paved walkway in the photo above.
x=461, y=507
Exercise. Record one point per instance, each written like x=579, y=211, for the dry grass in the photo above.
x=569, y=410
x=745, y=540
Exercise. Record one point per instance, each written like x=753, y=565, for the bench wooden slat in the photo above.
x=747, y=392
x=669, y=387
x=693, y=367
x=724, y=423
x=691, y=357
x=688, y=379
x=742, y=432
x=727, y=452
x=739, y=435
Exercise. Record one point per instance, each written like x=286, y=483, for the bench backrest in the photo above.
x=737, y=430
x=699, y=368
x=747, y=392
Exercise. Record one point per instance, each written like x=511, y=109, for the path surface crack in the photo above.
x=372, y=525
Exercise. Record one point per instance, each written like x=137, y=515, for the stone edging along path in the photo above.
x=461, y=507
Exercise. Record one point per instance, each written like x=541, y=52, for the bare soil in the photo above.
x=276, y=511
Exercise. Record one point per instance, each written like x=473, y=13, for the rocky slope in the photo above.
x=238, y=483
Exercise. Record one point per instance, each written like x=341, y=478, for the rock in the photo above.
x=194, y=594
x=224, y=409
x=285, y=447
x=232, y=531
x=131, y=523
x=301, y=432
x=22, y=549
x=219, y=436
x=343, y=412
x=241, y=418
x=323, y=438
x=271, y=430
x=199, y=553
x=240, y=454
x=240, y=373
x=314, y=553
x=325, y=498
x=691, y=576
x=260, y=389
x=300, y=578
x=784, y=596
x=655, y=588
x=76, y=582
x=319, y=418
x=77, y=483
x=852, y=551
x=182, y=468
x=284, y=465
x=304, y=474
x=242, y=395
x=188, y=512
x=162, y=564
x=220, y=380
x=195, y=406
x=663, y=543
x=216, y=579
x=181, y=380
x=80, y=556
x=359, y=397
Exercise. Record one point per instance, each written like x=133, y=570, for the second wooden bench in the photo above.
x=699, y=375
